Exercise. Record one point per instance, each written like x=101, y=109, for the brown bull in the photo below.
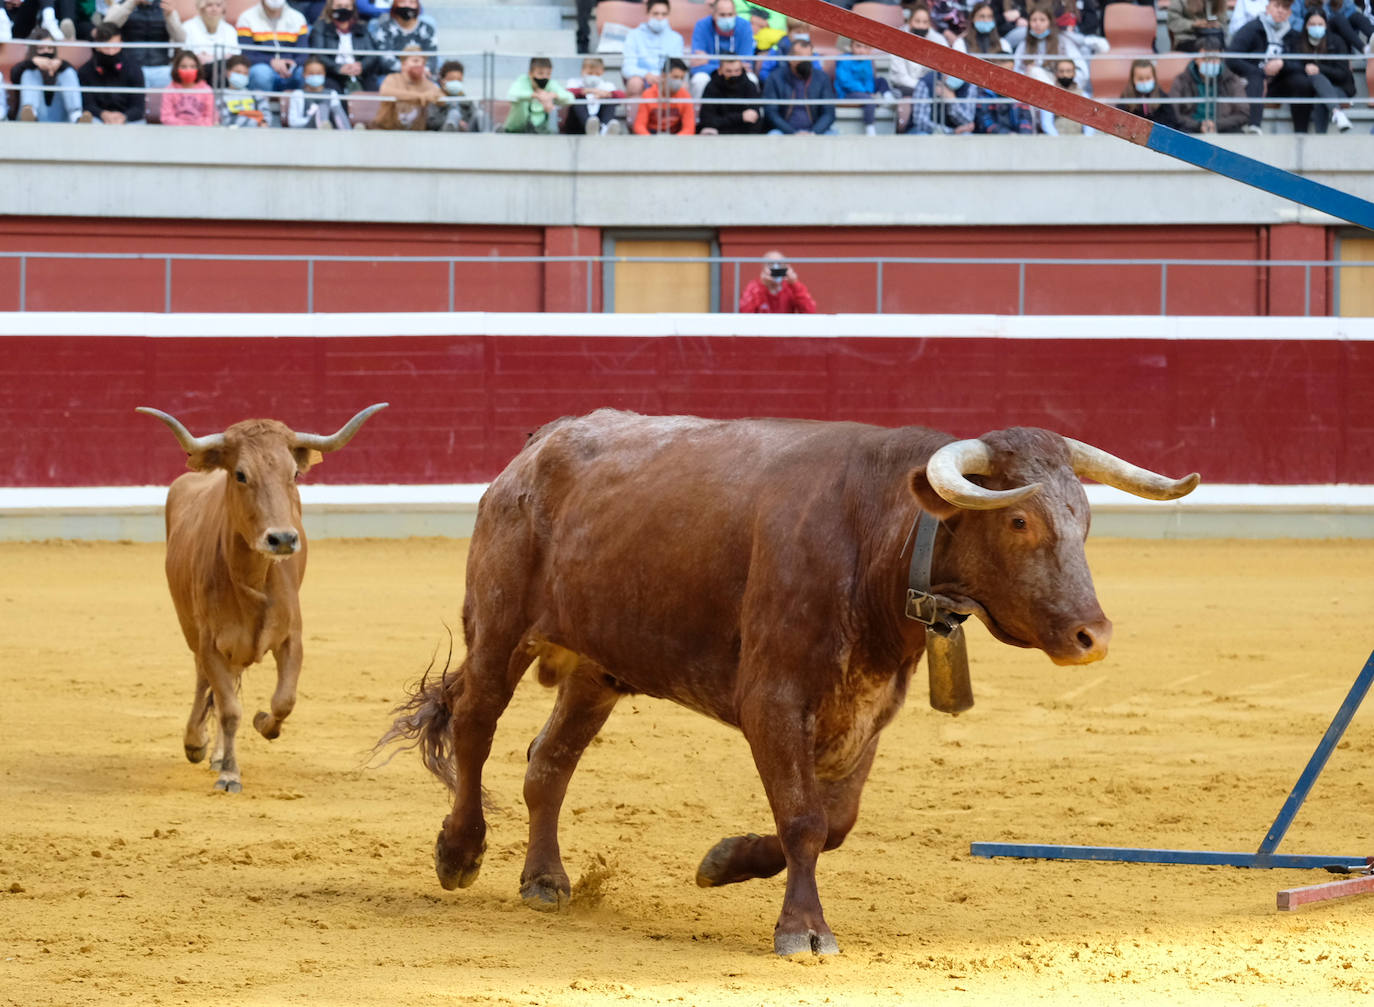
x=235, y=562
x=754, y=571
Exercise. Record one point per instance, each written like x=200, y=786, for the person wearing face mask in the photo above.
x=594, y=111
x=1044, y=45
x=667, y=107
x=1217, y=96
x=535, y=100
x=1344, y=18
x=405, y=27
x=903, y=74
x=189, y=100
x=148, y=21
x=797, y=31
x=108, y=67
x=211, y=38
x=236, y=105
x=789, y=92
x=981, y=37
x=271, y=34
x=722, y=32
x=730, y=102
x=648, y=48
x=316, y=105
x=340, y=36
x=1142, y=93
x=1328, y=79
x=1265, y=34
x=43, y=68
x=454, y=112
x=941, y=105
x=1065, y=78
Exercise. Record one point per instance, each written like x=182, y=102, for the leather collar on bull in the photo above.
x=951, y=689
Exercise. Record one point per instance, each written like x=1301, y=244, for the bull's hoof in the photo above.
x=798, y=943
x=261, y=720
x=454, y=871
x=228, y=786
x=715, y=869
x=546, y=893
x=195, y=753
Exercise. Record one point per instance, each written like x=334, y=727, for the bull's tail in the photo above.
x=422, y=721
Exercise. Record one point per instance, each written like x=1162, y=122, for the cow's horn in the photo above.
x=188, y=443
x=1094, y=463
x=948, y=467
x=344, y=434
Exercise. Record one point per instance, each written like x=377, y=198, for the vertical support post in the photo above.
x=878, y=298
x=23, y=282
x=450, y=286
x=734, y=306
x=587, y=272
x=1163, y=288
x=167, y=285
x=309, y=286
x=1021, y=289
x=1307, y=290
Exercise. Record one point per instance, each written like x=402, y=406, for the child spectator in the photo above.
x=941, y=104
x=1263, y=77
x=341, y=37
x=647, y=48
x=535, y=99
x=597, y=116
x=1066, y=78
x=1142, y=94
x=43, y=69
x=1328, y=79
x=790, y=90
x=402, y=28
x=904, y=73
x=854, y=78
x=982, y=38
x=674, y=116
x=316, y=105
x=730, y=84
x=272, y=34
x=414, y=93
x=994, y=114
x=189, y=101
x=1042, y=47
x=454, y=113
x=238, y=106
x=210, y=37
x=107, y=67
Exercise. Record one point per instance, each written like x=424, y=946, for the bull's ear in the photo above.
x=930, y=501
x=206, y=459
x=306, y=457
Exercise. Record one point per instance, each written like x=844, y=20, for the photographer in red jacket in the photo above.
x=777, y=290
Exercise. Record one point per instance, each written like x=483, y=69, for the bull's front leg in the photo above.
x=223, y=681
x=288, y=657
x=196, y=737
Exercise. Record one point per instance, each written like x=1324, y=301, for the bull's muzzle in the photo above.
x=280, y=542
x=1086, y=644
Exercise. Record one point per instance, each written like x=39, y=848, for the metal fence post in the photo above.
x=309, y=286
x=450, y=286
x=1021, y=288
x=167, y=286
x=1163, y=288
x=736, y=292
x=1307, y=290
x=23, y=282
x=878, y=299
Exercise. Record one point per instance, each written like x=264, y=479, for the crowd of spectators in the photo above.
x=300, y=63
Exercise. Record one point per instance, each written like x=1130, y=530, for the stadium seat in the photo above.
x=362, y=108
x=1130, y=27
x=888, y=14
x=622, y=15
x=1167, y=68
x=233, y=9
x=683, y=16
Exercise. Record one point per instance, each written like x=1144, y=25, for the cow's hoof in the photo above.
x=546, y=893
x=715, y=868
x=455, y=871
x=798, y=943
x=195, y=753
x=229, y=786
x=267, y=727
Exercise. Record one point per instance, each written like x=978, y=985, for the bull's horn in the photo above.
x=948, y=467
x=344, y=434
x=1094, y=463
x=189, y=444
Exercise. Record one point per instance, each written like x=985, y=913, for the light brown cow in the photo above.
x=235, y=561
x=755, y=571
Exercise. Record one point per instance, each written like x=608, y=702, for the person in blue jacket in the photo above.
x=854, y=78
x=789, y=92
x=721, y=33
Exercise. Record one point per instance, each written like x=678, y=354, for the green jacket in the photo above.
x=527, y=113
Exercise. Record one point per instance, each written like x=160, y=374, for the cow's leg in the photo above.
x=288, y=657
x=196, y=738
x=224, y=685
x=487, y=680
x=583, y=705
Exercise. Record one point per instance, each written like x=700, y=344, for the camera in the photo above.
x=778, y=270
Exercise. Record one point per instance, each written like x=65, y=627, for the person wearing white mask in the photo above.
x=904, y=74
x=210, y=37
x=648, y=49
x=272, y=35
x=720, y=33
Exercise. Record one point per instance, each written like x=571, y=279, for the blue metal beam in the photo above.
x=1133, y=855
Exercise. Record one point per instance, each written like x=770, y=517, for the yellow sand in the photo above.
x=125, y=880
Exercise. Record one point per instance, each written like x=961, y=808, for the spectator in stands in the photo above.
x=403, y=27
x=454, y=112
x=1242, y=13
x=238, y=106
x=189, y=100
x=674, y=116
x=23, y=16
x=982, y=38
x=730, y=84
x=1142, y=94
x=994, y=114
x=1187, y=18
x=1065, y=78
x=272, y=35
x=768, y=28
x=797, y=31
x=535, y=99
x=107, y=67
x=147, y=21
x=308, y=9
x=341, y=36
x=316, y=105
x=648, y=48
x=413, y=92
x=1219, y=95
x=855, y=79
x=1343, y=18
x=903, y=74
x=1011, y=21
x=1265, y=34
x=1328, y=79
x=778, y=290
x=720, y=33
x=584, y=25
x=593, y=112
x=1043, y=45
x=43, y=68
x=210, y=37
x=949, y=18
x=791, y=88
x=942, y=104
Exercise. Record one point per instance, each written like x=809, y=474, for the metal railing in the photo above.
x=740, y=268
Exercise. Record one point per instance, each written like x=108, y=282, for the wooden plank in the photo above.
x=1290, y=898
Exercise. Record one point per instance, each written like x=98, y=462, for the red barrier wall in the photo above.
x=1239, y=411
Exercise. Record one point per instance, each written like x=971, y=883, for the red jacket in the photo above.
x=792, y=298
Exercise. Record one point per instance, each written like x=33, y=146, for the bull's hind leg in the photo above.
x=288, y=658
x=196, y=737
x=584, y=703
x=224, y=685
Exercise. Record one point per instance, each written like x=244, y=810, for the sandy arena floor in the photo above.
x=125, y=880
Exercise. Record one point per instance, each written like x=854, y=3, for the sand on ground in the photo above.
x=125, y=879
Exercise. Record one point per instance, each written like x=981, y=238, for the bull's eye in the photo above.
x=1019, y=523
x=241, y=476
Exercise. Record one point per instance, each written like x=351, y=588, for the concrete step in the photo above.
x=513, y=41
x=525, y=17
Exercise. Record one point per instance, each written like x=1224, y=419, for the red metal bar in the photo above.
x=1290, y=898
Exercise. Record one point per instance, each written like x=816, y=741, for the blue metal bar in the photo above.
x=1317, y=763
x=1133, y=855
